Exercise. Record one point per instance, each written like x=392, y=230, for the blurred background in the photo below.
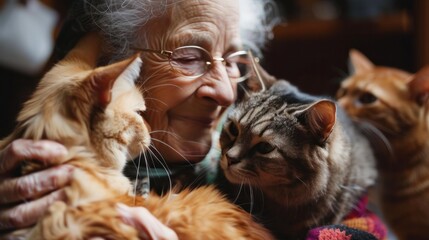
x=309, y=48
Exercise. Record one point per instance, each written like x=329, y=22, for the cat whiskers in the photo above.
x=378, y=127
x=157, y=100
x=160, y=83
x=252, y=200
x=153, y=75
x=201, y=174
x=164, y=166
x=303, y=183
x=244, y=174
x=137, y=170
x=246, y=182
x=250, y=182
x=147, y=89
x=239, y=192
x=146, y=181
x=146, y=152
x=178, y=137
x=377, y=139
x=168, y=145
x=253, y=195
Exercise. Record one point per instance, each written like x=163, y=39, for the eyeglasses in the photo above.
x=195, y=61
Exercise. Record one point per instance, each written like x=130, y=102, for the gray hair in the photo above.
x=121, y=21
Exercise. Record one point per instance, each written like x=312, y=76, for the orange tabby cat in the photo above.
x=395, y=103
x=96, y=114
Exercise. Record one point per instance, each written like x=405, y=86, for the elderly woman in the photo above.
x=192, y=54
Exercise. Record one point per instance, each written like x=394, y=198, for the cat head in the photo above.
x=118, y=130
x=270, y=139
x=79, y=104
x=389, y=98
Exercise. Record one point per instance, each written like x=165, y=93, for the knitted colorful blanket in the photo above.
x=359, y=224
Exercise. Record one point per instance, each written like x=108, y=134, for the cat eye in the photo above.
x=195, y=61
x=232, y=129
x=264, y=148
x=367, y=98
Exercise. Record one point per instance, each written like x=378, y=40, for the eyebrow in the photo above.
x=203, y=40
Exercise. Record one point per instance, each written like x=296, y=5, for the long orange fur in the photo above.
x=81, y=107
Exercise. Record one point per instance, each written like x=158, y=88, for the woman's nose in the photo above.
x=218, y=86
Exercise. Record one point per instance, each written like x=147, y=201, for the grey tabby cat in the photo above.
x=302, y=153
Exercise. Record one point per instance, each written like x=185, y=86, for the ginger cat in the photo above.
x=395, y=102
x=96, y=113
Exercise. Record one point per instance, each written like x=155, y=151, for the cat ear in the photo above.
x=320, y=118
x=260, y=78
x=358, y=63
x=419, y=86
x=87, y=50
x=120, y=75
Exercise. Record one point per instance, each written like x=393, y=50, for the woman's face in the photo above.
x=183, y=112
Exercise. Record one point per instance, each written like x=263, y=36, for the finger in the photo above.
x=48, y=152
x=147, y=225
x=35, y=184
x=26, y=214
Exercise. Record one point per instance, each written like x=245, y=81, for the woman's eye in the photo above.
x=230, y=64
x=232, y=129
x=264, y=148
x=367, y=98
x=187, y=60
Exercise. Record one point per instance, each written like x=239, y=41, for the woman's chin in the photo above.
x=182, y=152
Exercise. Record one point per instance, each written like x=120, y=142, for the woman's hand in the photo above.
x=146, y=224
x=19, y=207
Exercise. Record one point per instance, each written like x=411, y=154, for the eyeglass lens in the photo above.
x=189, y=61
x=195, y=61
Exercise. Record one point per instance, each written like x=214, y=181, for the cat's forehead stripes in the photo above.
x=250, y=110
x=250, y=114
x=257, y=114
x=262, y=125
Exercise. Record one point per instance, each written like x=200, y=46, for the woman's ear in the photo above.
x=258, y=81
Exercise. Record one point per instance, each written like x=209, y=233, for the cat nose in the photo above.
x=232, y=160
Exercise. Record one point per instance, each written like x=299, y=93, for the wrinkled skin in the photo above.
x=182, y=112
